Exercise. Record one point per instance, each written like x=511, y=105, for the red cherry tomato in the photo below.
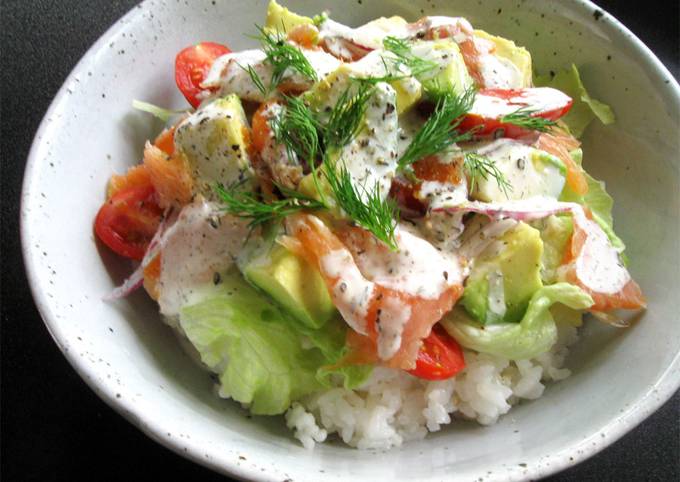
x=128, y=220
x=487, y=122
x=440, y=357
x=192, y=65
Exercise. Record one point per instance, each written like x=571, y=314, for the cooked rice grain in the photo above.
x=393, y=406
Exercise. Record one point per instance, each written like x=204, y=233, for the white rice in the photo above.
x=393, y=406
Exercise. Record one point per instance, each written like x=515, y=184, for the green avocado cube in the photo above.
x=214, y=140
x=291, y=281
x=516, y=262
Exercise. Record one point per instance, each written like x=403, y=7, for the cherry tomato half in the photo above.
x=440, y=357
x=128, y=220
x=192, y=65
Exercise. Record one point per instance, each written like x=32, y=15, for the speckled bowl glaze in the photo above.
x=134, y=362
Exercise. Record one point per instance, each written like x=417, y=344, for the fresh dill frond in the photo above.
x=439, y=132
x=255, y=77
x=346, y=117
x=364, y=206
x=297, y=128
x=401, y=48
x=388, y=77
x=283, y=56
x=301, y=130
x=479, y=166
x=524, y=117
x=392, y=72
x=246, y=205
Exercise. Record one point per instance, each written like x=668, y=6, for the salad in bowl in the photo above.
x=372, y=230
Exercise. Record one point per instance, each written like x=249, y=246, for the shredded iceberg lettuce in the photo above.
x=263, y=357
x=585, y=108
x=535, y=334
x=598, y=201
x=154, y=110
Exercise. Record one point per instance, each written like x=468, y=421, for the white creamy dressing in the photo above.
x=371, y=157
x=496, y=71
x=352, y=292
x=440, y=194
x=228, y=75
x=381, y=63
x=369, y=36
x=537, y=99
x=442, y=229
x=417, y=268
x=409, y=124
x=392, y=319
x=481, y=233
x=496, y=296
x=442, y=53
x=222, y=69
x=459, y=26
x=202, y=242
x=499, y=73
x=598, y=265
x=523, y=168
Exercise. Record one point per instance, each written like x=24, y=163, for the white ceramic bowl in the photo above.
x=133, y=361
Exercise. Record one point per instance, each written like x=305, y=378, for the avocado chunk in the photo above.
x=214, y=141
x=290, y=280
x=327, y=91
x=450, y=73
x=280, y=19
x=528, y=171
x=555, y=233
x=509, y=51
x=505, y=276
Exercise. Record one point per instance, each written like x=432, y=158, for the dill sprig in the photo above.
x=524, y=117
x=392, y=72
x=304, y=134
x=401, y=48
x=244, y=204
x=439, y=132
x=297, y=128
x=282, y=56
x=346, y=117
x=364, y=206
x=479, y=166
x=255, y=77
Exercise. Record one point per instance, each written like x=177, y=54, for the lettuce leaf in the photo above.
x=158, y=112
x=535, y=334
x=330, y=340
x=585, y=108
x=257, y=351
x=598, y=200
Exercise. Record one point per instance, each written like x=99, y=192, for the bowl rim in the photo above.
x=657, y=394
